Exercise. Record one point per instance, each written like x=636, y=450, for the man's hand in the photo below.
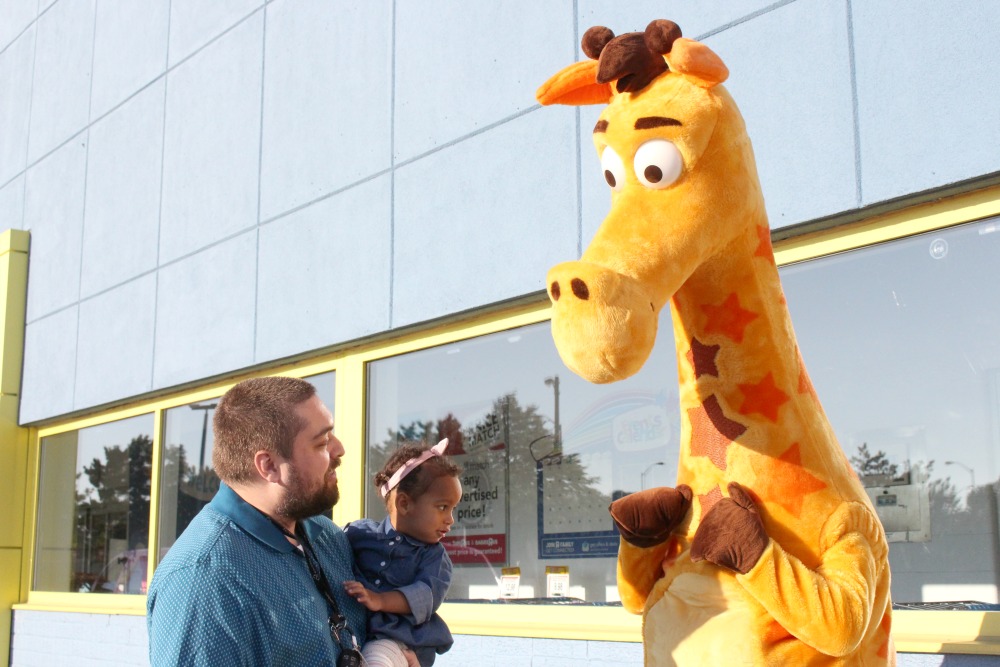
x=647, y=518
x=371, y=600
x=731, y=534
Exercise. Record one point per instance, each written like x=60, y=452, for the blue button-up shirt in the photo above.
x=233, y=591
x=386, y=560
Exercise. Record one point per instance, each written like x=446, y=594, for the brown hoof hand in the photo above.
x=647, y=518
x=731, y=535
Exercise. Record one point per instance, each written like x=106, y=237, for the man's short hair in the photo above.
x=254, y=415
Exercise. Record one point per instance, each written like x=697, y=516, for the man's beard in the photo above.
x=300, y=504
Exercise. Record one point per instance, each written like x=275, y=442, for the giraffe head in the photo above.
x=675, y=153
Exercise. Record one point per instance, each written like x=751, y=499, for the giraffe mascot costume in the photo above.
x=768, y=551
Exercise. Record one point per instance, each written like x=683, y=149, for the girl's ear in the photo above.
x=403, y=502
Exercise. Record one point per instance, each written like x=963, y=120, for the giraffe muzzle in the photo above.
x=603, y=322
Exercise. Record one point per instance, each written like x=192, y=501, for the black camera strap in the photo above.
x=337, y=620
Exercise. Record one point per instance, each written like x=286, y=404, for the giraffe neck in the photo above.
x=742, y=385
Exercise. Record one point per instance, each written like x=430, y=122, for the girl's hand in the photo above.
x=371, y=600
x=411, y=658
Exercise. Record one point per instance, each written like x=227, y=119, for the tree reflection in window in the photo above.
x=514, y=445
x=113, y=511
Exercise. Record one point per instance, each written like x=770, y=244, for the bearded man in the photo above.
x=256, y=578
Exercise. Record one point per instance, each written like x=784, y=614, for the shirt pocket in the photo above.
x=402, y=569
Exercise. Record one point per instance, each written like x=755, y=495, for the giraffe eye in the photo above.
x=658, y=164
x=614, y=168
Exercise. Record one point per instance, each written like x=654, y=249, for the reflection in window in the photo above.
x=93, y=509
x=543, y=453
x=187, y=479
x=902, y=341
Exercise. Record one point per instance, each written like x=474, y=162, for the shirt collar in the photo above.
x=229, y=503
x=386, y=529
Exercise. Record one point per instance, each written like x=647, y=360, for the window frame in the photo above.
x=926, y=631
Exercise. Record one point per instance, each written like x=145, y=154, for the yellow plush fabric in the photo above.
x=817, y=592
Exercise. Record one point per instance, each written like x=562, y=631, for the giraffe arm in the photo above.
x=638, y=569
x=829, y=608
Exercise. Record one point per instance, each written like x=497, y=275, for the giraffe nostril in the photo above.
x=555, y=291
x=580, y=289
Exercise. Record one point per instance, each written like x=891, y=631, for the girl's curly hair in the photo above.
x=420, y=478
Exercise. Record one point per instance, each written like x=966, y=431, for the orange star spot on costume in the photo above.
x=728, y=319
x=763, y=398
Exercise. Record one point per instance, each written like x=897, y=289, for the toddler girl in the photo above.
x=402, y=567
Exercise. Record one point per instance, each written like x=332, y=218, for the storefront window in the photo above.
x=93, y=509
x=543, y=453
x=902, y=341
x=188, y=481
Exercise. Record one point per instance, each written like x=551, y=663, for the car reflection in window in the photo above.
x=125, y=573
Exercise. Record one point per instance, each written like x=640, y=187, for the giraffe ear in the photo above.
x=697, y=62
x=575, y=85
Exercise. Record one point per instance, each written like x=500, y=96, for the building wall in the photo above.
x=213, y=188
x=42, y=639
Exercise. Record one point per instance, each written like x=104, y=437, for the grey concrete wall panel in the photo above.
x=461, y=66
x=49, y=364
x=211, y=144
x=467, y=233
x=324, y=272
x=130, y=50
x=205, y=313
x=115, y=343
x=15, y=16
x=327, y=99
x=121, y=222
x=695, y=18
x=60, y=98
x=797, y=104
x=194, y=23
x=53, y=213
x=15, y=104
x=12, y=204
x=929, y=113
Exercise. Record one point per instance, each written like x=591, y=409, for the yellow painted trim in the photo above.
x=14, y=288
x=927, y=217
x=15, y=443
x=530, y=314
x=153, y=542
x=349, y=414
x=543, y=621
x=913, y=631
x=975, y=632
x=92, y=603
x=14, y=240
x=30, y=513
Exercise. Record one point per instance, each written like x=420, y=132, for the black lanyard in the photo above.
x=337, y=621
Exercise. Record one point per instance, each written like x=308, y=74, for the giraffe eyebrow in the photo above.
x=602, y=126
x=649, y=122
